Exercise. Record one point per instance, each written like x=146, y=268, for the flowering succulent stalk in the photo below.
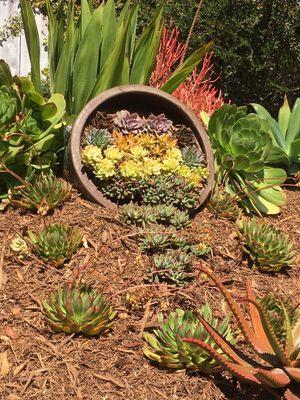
x=44, y=194
x=56, y=243
x=78, y=309
x=268, y=248
x=166, y=347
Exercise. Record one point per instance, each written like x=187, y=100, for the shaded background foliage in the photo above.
x=256, y=43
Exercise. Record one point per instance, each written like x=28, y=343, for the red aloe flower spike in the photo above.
x=256, y=321
x=276, y=378
x=244, y=372
x=274, y=342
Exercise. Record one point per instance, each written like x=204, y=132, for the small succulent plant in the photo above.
x=174, y=266
x=276, y=309
x=223, y=206
x=44, y=194
x=166, y=347
x=56, y=243
x=191, y=156
x=268, y=248
x=156, y=238
x=138, y=215
x=19, y=246
x=164, y=212
x=129, y=123
x=180, y=219
x=98, y=137
x=159, y=124
x=78, y=309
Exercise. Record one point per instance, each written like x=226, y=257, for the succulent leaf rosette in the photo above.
x=140, y=159
x=244, y=152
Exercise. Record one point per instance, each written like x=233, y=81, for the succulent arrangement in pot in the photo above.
x=145, y=159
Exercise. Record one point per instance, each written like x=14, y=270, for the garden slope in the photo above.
x=36, y=364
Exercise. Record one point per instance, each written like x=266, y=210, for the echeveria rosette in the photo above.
x=78, y=309
x=243, y=150
x=166, y=347
x=129, y=123
x=159, y=124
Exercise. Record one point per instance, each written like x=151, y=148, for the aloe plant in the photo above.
x=277, y=367
x=101, y=50
x=285, y=132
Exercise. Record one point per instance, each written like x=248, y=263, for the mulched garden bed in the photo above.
x=37, y=364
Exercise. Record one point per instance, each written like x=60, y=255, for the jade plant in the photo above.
x=31, y=138
x=78, y=309
x=166, y=345
x=46, y=193
x=243, y=152
x=277, y=365
x=267, y=247
x=285, y=132
x=56, y=243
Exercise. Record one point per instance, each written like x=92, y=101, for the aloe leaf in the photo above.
x=60, y=103
x=295, y=150
x=275, y=378
x=63, y=71
x=116, y=70
x=275, y=132
x=109, y=31
x=86, y=61
x=182, y=72
x=146, y=49
x=33, y=42
x=132, y=31
x=85, y=16
x=293, y=132
x=5, y=74
x=284, y=116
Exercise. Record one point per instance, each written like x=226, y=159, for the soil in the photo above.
x=38, y=364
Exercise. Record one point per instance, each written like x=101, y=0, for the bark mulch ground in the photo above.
x=37, y=364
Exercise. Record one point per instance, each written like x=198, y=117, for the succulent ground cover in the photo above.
x=37, y=363
x=145, y=159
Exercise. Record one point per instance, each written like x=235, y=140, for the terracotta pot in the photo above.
x=140, y=99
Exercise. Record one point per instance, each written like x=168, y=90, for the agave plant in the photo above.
x=276, y=309
x=278, y=366
x=78, y=309
x=166, y=346
x=285, y=132
x=223, y=205
x=56, y=243
x=268, y=248
x=173, y=266
x=243, y=150
x=99, y=51
x=44, y=194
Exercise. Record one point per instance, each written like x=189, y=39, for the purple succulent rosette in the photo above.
x=159, y=124
x=127, y=122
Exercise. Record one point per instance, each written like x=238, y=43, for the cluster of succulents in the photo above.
x=78, y=309
x=166, y=345
x=56, y=242
x=268, y=248
x=44, y=194
x=140, y=159
x=223, y=205
x=161, y=214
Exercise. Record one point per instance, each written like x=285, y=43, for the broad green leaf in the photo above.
x=109, y=31
x=146, y=49
x=295, y=150
x=6, y=78
x=60, y=102
x=35, y=98
x=85, y=16
x=86, y=62
x=275, y=132
x=26, y=85
x=116, y=70
x=43, y=144
x=33, y=42
x=284, y=116
x=63, y=71
x=293, y=132
x=48, y=111
x=182, y=72
x=277, y=156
